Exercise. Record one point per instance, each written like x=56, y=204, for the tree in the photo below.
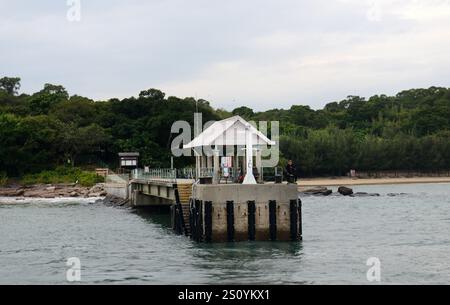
x=153, y=94
x=244, y=112
x=42, y=101
x=409, y=131
x=75, y=142
x=78, y=110
x=10, y=84
x=11, y=141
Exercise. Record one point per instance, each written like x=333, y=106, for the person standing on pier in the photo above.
x=291, y=172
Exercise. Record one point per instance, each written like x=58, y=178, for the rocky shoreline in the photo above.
x=113, y=201
x=49, y=191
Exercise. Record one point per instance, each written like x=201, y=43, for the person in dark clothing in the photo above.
x=291, y=172
x=241, y=176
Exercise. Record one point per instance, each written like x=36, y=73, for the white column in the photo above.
x=197, y=166
x=259, y=163
x=249, y=178
x=204, y=163
x=216, y=177
x=235, y=161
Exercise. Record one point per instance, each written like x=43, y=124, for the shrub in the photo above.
x=63, y=175
x=3, y=179
x=89, y=179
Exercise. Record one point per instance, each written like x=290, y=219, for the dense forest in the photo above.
x=50, y=128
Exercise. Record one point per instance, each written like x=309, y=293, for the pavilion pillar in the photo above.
x=203, y=162
x=197, y=167
x=235, y=164
x=259, y=164
x=249, y=177
x=216, y=176
x=209, y=161
x=198, y=164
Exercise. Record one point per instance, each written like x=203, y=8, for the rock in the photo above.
x=315, y=190
x=98, y=188
x=345, y=191
x=114, y=201
x=396, y=194
x=51, y=191
x=323, y=193
x=93, y=195
x=33, y=194
x=327, y=193
x=318, y=191
x=12, y=192
x=361, y=194
x=20, y=192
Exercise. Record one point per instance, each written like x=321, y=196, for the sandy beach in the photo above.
x=375, y=181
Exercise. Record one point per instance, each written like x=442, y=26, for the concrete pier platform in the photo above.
x=221, y=212
x=236, y=212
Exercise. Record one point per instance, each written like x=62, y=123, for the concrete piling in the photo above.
x=294, y=220
x=208, y=221
x=226, y=212
x=273, y=220
x=199, y=210
x=233, y=213
x=300, y=216
x=230, y=221
x=251, y=220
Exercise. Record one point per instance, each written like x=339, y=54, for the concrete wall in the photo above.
x=116, y=189
x=139, y=199
x=240, y=194
x=260, y=193
x=144, y=194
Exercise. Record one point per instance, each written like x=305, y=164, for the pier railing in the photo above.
x=117, y=179
x=186, y=173
x=160, y=174
x=225, y=176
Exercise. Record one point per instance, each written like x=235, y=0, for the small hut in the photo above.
x=129, y=160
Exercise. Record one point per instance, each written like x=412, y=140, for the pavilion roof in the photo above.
x=229, y=132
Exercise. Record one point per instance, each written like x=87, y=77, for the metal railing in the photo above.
x=186, y=173
x=117, y=179
x=231, y=175
x=269, y=174
x=160, y=174
x=206, y=172
x=191, y=173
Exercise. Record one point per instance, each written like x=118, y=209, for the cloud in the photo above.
x=262, y=54
x=375, y=12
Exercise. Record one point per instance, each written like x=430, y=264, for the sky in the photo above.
x=263, y=54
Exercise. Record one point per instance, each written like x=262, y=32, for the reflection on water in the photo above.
x=160, y=216
x=409, y=234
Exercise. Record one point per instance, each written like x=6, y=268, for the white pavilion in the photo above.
x=229, y=145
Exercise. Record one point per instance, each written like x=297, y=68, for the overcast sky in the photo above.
x=258, y=53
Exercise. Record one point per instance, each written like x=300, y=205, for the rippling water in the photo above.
x=410, y=234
